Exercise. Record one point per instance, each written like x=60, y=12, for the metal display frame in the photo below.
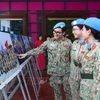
x=29, y=67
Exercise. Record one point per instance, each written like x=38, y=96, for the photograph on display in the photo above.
x=31, y=42
x=7, y=56
x=18, y=43
x=19, y=46
x=26, y=43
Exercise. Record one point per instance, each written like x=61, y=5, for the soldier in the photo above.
x=74, y=79
x=90, y=61
x=58, y=68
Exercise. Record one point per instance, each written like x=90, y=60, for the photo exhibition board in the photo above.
x=8, y=61
x=31, y=42
x=19, y=46
x=18, y=43
x=26, y=43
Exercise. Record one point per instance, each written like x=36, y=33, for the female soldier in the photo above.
x=74, y=72
x=90, y=71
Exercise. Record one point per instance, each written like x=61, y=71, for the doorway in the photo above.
x=52, y=21
x=51, y=18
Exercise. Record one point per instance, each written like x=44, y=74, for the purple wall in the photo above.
x=4, y=8
x=34, y=6
x=18, y=6
x=94, y=6
x=51, y=6
x=37, y=6
x=76, y=6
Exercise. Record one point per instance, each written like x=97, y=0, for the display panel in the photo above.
x=18, y=43
x=8, y=59
x=26, y=43
x=19, y=46
x=31, y=42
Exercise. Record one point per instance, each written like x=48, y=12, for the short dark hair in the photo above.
x=80, y=26
x=63, y=29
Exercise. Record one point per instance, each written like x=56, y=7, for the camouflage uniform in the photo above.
x=90, y=73
x=58, y=64
x=75, y=70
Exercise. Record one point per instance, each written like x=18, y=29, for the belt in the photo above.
x=77, y=64
x=86, y=76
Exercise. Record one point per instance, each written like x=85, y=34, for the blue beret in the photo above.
x=60, y=24
x=79, y=21
x=93, y=22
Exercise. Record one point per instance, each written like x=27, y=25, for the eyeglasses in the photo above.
x=57, y=32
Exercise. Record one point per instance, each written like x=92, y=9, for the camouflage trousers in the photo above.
x=75, y=89
x=56, y=82
x=90, y=89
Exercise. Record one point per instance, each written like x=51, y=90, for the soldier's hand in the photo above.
x=21, y=56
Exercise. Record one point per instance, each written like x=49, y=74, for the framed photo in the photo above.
x=8, y=59
x=26, y=43
x=31, y=42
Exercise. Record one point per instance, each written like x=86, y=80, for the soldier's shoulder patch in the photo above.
x=82, y=52
x=86, y=57
x=94, y=46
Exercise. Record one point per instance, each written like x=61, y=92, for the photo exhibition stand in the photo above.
x=26, y=68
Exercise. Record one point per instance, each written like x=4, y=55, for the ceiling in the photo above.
x=49, y=0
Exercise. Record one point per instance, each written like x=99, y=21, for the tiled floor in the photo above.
x=46, y=92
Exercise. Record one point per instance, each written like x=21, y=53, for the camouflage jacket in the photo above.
x=75, y=60
x=58, y=55
x=90, y=73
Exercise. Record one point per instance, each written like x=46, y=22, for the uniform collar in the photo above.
x=91, y=45
x=81, y=42
x=62, y=39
